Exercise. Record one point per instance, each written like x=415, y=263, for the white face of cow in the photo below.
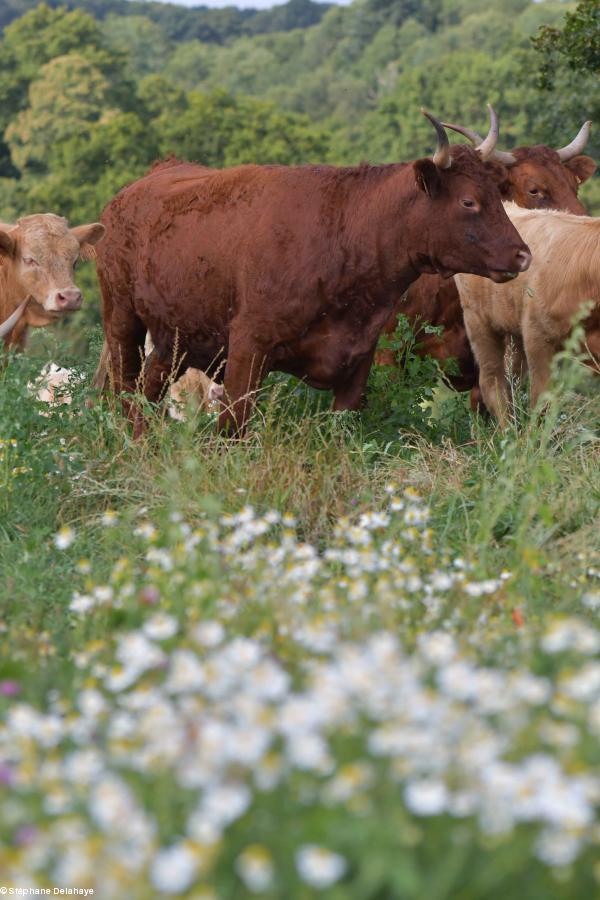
x=40, y=252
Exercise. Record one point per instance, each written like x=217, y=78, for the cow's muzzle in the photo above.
x=66, y=300
x=522, y=262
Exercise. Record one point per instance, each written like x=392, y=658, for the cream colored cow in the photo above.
x=37, y=259
x=536, y=308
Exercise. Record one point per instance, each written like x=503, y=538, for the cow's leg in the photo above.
x=351, y=394
x=539, y=351
x=247, y=364
x=477, y=403
x=515, y=361
x=125, y=339
x=488, y=347
x=159, y=373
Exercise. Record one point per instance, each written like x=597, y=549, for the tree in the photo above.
x=141, y=40
x=158, y=95
x=33, y=41
x=219, y=129
x=577, y=44
x=66, y=98
x=92, y=166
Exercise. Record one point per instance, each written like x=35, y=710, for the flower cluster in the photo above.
x=247, y=679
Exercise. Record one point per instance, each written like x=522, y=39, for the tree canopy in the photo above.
x=92, y=91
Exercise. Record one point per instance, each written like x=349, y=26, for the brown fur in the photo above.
x=538, y=307
x=538, y=180
x=288, y=268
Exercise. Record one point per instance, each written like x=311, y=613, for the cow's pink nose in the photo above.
x=70, y=298
x=523, y=260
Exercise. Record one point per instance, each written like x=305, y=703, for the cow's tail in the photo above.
x=101, y=375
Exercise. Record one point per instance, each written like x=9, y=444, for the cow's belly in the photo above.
x=205, y=349
x=325, y=359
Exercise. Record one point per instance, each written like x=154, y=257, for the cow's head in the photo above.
x=40, y=253
x=465, y=228
x=542, y=178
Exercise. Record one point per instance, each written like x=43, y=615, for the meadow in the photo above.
x=355, y=655
x=352, y=655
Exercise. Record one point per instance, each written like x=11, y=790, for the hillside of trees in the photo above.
x=182, y=23
x=92, y=91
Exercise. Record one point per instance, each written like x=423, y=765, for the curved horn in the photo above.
x=441, y=157
x=486, y=147
x=577, y=144
x=12, y=320
x=475, y=138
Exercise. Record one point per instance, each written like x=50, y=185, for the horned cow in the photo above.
x=536, y=177
x=294, y=269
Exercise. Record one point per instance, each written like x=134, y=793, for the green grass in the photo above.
x=524, y=502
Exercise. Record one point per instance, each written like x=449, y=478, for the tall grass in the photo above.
x=510, y=540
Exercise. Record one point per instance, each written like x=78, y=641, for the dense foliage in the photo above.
x=578, y=43
x=182, y=23
x=91, y=93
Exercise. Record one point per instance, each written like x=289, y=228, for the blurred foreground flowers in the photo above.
x=253, y=715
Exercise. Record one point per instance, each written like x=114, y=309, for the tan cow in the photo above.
x=194, y=390
x=37, y=259
x=537, y=307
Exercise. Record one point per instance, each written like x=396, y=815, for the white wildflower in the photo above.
x=208, y=634
x=318, y=867
x=64, y=537
x=160, y=627
x=174, y=869
x=255, y=867
x=82, y=603
x=427, y=797
x=591, y=599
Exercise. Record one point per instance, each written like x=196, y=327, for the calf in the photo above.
x=538, y=307
x=37, y=259
x=294, y=269
x=194, y=390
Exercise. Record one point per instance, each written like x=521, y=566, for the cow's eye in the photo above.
x=30, y=261
x=534, y=191
x=469, y=204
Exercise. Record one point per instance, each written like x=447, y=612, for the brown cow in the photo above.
x=536, y=178
x=538, y=307
x=294, y=269
x=37, y=257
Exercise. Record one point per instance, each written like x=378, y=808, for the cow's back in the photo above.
x=190, y=249
x=565, y=272
x=170, y=231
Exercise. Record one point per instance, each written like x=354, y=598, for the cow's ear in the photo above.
x=499, y=174
x=582, y=167
x=427, y=177
x=8, y=246
x=88, y=236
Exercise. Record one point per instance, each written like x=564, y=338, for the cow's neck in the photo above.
x=391, y=230
x=11, y=292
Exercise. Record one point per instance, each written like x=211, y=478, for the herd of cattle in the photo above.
x=242, y=271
